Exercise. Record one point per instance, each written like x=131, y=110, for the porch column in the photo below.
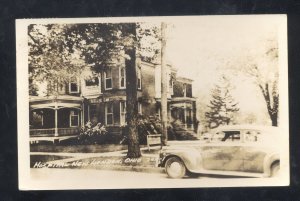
x=55, y=128
x=192, y=119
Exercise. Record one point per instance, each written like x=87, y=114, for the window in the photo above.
x=92, y=82
x=140, y=108
x=74, y=118
x=61, y=88
x=122, y=112
x=184, y=90
x=93, y=113
x=108, y=79
x=231, y=136
x=171, y=86
x=139, y=78
x=73, y=86
x=37, y=120
x=109, y=113
x=252, y=136
x=122, y=77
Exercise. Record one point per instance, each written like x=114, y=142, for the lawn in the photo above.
x=76, y=148
x=81, y=148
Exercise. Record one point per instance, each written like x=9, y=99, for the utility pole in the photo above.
x=164, y=90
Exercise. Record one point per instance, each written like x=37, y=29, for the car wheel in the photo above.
x=175, y=168
x=275, y=169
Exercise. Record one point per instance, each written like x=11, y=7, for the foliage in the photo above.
x=263, y=70
x=152, y=125
x=49, y=60
x=60, y=52
x=222, y=105
x=92, y=134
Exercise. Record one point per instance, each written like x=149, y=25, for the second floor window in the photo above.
x=171, y=86
x=73, y=86
x=108, y=79
x=139, y=78
x=184, y=90
x=92, y=82
x=122, y=77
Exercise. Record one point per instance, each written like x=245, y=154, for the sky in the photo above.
x=203, y=48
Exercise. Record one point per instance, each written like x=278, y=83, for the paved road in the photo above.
x=97, y=179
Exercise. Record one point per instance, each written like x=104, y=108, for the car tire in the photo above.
x=275, y=167
x=175, y=168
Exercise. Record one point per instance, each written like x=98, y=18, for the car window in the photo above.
x=252, y=136
x=226, y=136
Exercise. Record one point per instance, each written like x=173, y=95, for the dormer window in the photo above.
x=122, y=78
x=108, y=79
x=73, y=86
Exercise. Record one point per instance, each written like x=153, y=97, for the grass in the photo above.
x=83, y=148
x=76, y=148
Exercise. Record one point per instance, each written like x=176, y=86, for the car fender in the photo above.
x=268, y=161
x=190, y=156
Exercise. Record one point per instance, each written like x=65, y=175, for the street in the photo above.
x=109, y=179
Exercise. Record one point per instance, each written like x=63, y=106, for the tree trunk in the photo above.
x=274, y=119
x=272, y=111
x=131, y=102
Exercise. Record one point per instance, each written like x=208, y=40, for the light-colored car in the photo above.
x=237, y=150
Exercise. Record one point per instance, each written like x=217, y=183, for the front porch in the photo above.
x=55, y=118
x=182, y=109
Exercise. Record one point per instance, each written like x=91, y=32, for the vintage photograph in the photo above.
x=152, y=102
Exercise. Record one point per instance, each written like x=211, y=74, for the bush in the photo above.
x=90, y=134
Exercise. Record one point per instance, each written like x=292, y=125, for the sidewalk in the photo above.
x=116, y=160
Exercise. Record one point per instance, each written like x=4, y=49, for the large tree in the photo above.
x=49, y=59
x=222, y=106
x=262, y=68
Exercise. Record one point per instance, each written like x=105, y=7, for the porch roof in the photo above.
x=55, y=102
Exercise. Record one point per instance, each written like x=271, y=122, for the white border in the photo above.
x=90, y=181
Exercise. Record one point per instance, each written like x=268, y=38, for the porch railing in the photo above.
x=51, y=131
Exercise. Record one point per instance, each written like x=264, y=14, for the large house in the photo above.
x=102, y=98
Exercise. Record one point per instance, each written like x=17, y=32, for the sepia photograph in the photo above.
x=152, y=102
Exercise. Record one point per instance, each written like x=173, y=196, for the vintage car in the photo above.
x=237, y=150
